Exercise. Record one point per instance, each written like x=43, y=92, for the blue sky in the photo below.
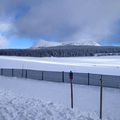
x=20, y=43
x=24, y=23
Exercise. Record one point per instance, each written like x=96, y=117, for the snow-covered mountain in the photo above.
x=91, y=43
x=44, y=43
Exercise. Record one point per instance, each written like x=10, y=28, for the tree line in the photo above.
x=61, y=51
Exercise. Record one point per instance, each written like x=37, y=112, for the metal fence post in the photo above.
x=101, y=97
x=12, y=73
x=63, y=76
x=42, y=75
x=71, y=86
x=1, y=71
x=26, y=73
x=88, y=78
x=22, y=72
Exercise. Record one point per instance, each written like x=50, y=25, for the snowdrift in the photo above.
x=20, y=108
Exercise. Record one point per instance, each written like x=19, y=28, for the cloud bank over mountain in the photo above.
x=3, y=42
x=63, y=20
x=44, y=43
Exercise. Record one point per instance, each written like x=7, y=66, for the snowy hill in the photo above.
x=77, y=43
x=44, y=43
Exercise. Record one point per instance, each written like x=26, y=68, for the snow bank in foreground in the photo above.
x=19, y=108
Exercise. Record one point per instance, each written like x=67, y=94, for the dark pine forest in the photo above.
x=63, y=51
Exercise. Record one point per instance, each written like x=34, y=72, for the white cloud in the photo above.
x=65, y=19
x=3, y=42
x=79, y=19
x=5, y=26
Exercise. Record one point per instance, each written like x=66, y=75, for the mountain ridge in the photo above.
x=44, y=43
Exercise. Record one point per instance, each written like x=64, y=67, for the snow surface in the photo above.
x=100, y=65
x=19, y=108
x=56, y=97
x=82, y=42
x=33, y=92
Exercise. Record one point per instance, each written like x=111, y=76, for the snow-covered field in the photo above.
x=56, y=97
x=14, y=107
x=51, y=101
x=99, y=65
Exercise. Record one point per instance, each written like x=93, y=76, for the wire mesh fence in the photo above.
x=55, y=76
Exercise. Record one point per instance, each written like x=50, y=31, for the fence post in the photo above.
x=101, y=97
x=12, y=72
x=63, y=76
x=1, y=71
x=42, y=75
x=22, y=72
x=71, y=85
x=26, y=73
x=88, y=78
